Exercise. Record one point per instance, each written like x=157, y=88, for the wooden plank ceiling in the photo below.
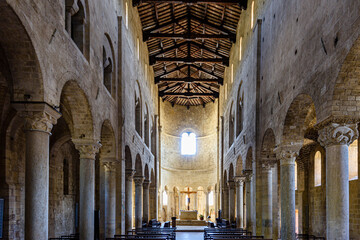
x=189, y=43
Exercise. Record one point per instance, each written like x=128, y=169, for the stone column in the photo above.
x=225, y=212
x=139, y=180
x=336, y=138
x=231, y=209
x=267, y=197
x=287, y=183
x=239, y=182
x=87, y=150
x=146, y=200
x=110, y=196
x=152, y=202
x=207, y=207
x=129, y=174
x=39, y=120
x=249, y=202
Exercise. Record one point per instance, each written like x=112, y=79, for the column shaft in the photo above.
x=231, y=209
x=240, y=203
x=129, y=173
x=337, y=192
x=249, y=203
x=287, y=172
x=146, y=201
x=225, y=213
x=110, y=198
x=37, y=185
x=138, y=201
x=207, y=213
x=267, y=203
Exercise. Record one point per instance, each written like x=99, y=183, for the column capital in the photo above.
x=129, y=174
x=239, y=180
x=110, y=166
x=338, y=134
x=146, y=183
x=38, y=116
x=268, y=164
x=139, y=180
x=231, y=184
x=287, y=154
x=87, y=148
x=248, y=174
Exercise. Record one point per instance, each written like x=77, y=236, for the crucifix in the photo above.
x=188, y=194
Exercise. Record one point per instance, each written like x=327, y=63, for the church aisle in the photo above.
x=189, y=235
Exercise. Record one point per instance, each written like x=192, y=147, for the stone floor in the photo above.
x=189, y=236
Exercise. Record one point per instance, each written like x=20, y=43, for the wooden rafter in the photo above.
x=242, y=3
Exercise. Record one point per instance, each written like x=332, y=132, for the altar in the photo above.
x=189, y=218
x=188, y=215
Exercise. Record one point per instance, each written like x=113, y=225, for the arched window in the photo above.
x=353, y=160
x=147, y=127
x=317, y=169
x=138, y=116
x=188, y=144
x=239, y=111
x=108, y=65
x=75, y=20
x=211, y=198
x=231, y=126
x=126, y=15
x=165, y=198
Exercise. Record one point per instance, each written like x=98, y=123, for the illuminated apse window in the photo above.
x=188, y=144
x=165, y=198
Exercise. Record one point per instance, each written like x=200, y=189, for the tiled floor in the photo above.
x=189, y=236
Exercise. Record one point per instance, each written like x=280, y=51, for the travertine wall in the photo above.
x=40, y=62
x=305, y=47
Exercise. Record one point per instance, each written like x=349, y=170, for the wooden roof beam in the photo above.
x=189, y=94
x=241, y=3
x=192, y=36
x=188, y=80
x=190, y=60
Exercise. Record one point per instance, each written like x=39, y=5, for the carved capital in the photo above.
x=87, y=149
x=287, y=154
x=239, y=180
x=138, y=180
x=38, y=116
x=147, y=183
x=248, y=175
x=129, y=174
x=338, y=134
x=268, y=164
x=231, y=184
x=110, y=166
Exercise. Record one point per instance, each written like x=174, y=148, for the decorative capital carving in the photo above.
x=110, y=166
x=147, y=183
x=287, y=154
x=248, y=174
x=139, y=180
x=231, y=184
x=268, y=164
x=129, y=174
x=239, y=180
x=38, y=116
x=338, y=134
x=87, y=148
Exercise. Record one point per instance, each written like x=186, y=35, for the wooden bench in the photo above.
x=308, y=237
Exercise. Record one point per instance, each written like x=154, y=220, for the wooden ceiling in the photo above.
x=189, y=43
